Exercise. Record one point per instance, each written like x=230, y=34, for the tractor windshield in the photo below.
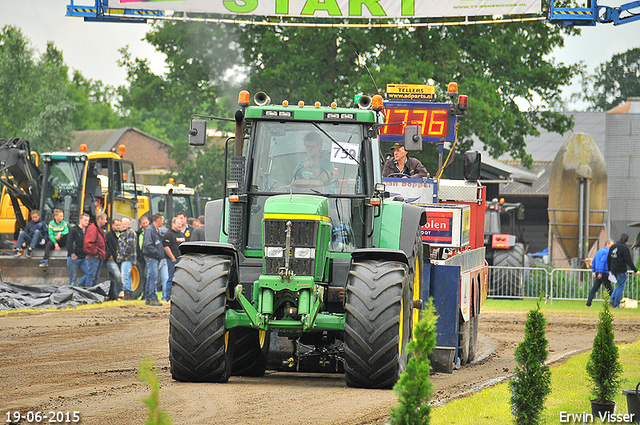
x=302, y=157
x=313, y=158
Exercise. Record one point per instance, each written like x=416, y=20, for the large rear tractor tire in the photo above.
x=251, y=352
x=200, y=348
x=378, y=306
x=512, y=257
x=508, y=282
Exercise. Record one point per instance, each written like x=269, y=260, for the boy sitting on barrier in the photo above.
x=58, y=231
x=34, y=233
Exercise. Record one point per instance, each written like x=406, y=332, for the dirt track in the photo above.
x=87, y=361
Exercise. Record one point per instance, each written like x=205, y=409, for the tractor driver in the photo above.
x=317, y=167
x=403, y=166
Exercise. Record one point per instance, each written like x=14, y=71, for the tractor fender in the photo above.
x=215, y=248
x=211, y=248
x=364, y=254
x=412, y=217
x=213, y=220
x=398, y=226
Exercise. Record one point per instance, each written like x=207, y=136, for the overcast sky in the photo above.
x=92, y=48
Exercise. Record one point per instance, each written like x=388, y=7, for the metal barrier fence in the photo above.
x=556, y=284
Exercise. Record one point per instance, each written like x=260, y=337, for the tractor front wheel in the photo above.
x=200, y=347
x=378, y=307
x=252, y=351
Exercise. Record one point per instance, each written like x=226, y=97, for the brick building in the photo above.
x=149, y=154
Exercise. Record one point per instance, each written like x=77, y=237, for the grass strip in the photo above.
x=559, y=307
x=570, y=393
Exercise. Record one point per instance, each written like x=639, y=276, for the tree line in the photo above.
x=497, y=66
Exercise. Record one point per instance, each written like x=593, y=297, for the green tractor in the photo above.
x=302, y=254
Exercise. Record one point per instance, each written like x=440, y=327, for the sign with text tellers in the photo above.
x=411, y=92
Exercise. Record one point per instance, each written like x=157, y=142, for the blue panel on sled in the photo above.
x=444, y=287
x=426, y=281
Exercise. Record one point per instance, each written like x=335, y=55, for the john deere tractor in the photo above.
x=301, y=253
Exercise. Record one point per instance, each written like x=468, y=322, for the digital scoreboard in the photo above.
x=435, y=119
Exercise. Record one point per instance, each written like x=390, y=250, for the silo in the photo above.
x=577, y=196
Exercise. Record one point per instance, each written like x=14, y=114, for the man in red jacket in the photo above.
x=95, y=248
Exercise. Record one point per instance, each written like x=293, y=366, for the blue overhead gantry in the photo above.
x=565, y=16
x=101, y=12
x=594, y=13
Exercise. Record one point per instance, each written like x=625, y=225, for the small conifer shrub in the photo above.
x=531, y=381
x=603, y=367
x=414, y=388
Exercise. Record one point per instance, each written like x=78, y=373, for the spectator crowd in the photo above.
x=153, y=249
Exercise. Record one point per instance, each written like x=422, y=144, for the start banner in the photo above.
x=345, y=9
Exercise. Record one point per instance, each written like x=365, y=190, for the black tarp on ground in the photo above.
x=15, y=296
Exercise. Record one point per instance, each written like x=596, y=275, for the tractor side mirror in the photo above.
x=413, y=138
x=198, y=133
x=161, y=205
x=472, y=165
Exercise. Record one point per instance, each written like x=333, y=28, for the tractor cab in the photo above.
x=313, y=158
x=318, y=151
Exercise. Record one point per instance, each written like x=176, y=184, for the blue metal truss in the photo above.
x=593, y=13
x=564, y=16
x=101, y=12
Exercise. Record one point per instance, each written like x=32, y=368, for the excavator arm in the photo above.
x=20, y=175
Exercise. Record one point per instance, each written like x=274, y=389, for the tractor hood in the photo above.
x=290, y=206
x=296, y=235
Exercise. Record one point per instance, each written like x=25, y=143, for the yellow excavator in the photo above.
x=74, y=182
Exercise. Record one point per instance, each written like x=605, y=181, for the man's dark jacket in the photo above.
x=112, y=244
x=152, y=244
x=619, y=258
x=413, y=166
x=75, y=242
x=32, y=226
x=197, y=234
